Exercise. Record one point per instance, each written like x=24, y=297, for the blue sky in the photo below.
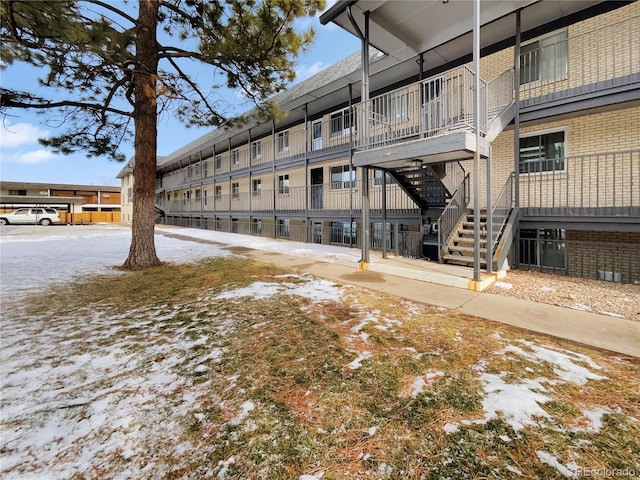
x=22, y=159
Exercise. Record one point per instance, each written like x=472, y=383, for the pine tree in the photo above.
x=110, y=73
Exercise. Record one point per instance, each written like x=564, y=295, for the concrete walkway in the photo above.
x=601, y=331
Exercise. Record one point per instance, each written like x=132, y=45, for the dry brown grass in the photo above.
x=314, y=413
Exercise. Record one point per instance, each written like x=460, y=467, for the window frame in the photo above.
x=282, y=139
x=256, y=150
x=284, y=185
x=341, y=122
x=344, y=182
x=256, y=182
x=541, y=161
x=541, y=62
x=235, y=190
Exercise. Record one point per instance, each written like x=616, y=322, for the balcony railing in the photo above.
x=563, y=66
x=312, y=199
x=602, y=184
x=431, y=107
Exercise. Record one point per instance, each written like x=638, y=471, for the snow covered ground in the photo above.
x=31, y=257
x=107, y=409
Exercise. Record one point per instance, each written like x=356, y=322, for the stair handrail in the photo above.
x=500, y=93
x=501, y=210
x=451, y=214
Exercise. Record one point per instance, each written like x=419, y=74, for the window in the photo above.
x=198, y=194
x=283, y=228
x=542, y=153
x=256, y=150
x=283, y=184
x=21, y=193
x=205, y=168
x=218, y=162
x=377, y=178
x=544, y=59
x=235, y=190
x=218, y=192
x=257, y=187
x=392, y=106
x=235, y=157
x=316, y=135
x=343, y=233
x=234, y=225
x=283, y=141
x=190, y=171
x=341, y=123
x=545, y=248
x=205, y=196
x=342, y=177
x=198, y=167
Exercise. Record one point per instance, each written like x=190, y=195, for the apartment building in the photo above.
x=403, y=149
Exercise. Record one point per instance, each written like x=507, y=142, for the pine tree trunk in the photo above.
x=142, y=252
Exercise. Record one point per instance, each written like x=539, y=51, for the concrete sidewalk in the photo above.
x=601, y=331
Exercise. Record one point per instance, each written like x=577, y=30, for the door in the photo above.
x=317, y=232
x=316, y=135
x=317, y=180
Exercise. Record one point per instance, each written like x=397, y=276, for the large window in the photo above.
x=283, y=183
x=21, y=193
x=342, y=177
x=218, y=162
x=235, y=190
x=218, y=192
x=283, y=141
x=545, y=248
x=542, y=153
x=544, y=59
x=341, y=123
x=235, y=157
x=343, y=233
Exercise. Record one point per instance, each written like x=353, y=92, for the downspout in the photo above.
x=364, y=60
x=476, y=126
x=516, y=138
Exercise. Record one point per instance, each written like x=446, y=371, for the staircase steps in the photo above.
x=460, y=249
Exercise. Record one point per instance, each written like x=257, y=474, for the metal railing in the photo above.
x=586, y=185
x=431, y=107
x=561, y=66
x=501, y=209
x=451, y=214
x=326, y=198
x=500, y=93
x=608, y=261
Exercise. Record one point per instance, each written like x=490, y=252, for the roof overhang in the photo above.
x=403, y=29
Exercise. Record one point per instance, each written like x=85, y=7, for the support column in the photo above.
x=363, y=126
x=516, y=138
x=476, y=125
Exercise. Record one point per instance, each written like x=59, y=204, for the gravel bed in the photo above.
x=608, y=298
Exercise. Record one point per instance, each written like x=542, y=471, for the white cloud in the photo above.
x=305, y=71
x=30, y=158
x=20, y=134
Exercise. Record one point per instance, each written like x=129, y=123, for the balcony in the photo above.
x=432, y=120
x=574, y=65
x=599, y=186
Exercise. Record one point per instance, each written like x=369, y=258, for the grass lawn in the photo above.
x=234, y=369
